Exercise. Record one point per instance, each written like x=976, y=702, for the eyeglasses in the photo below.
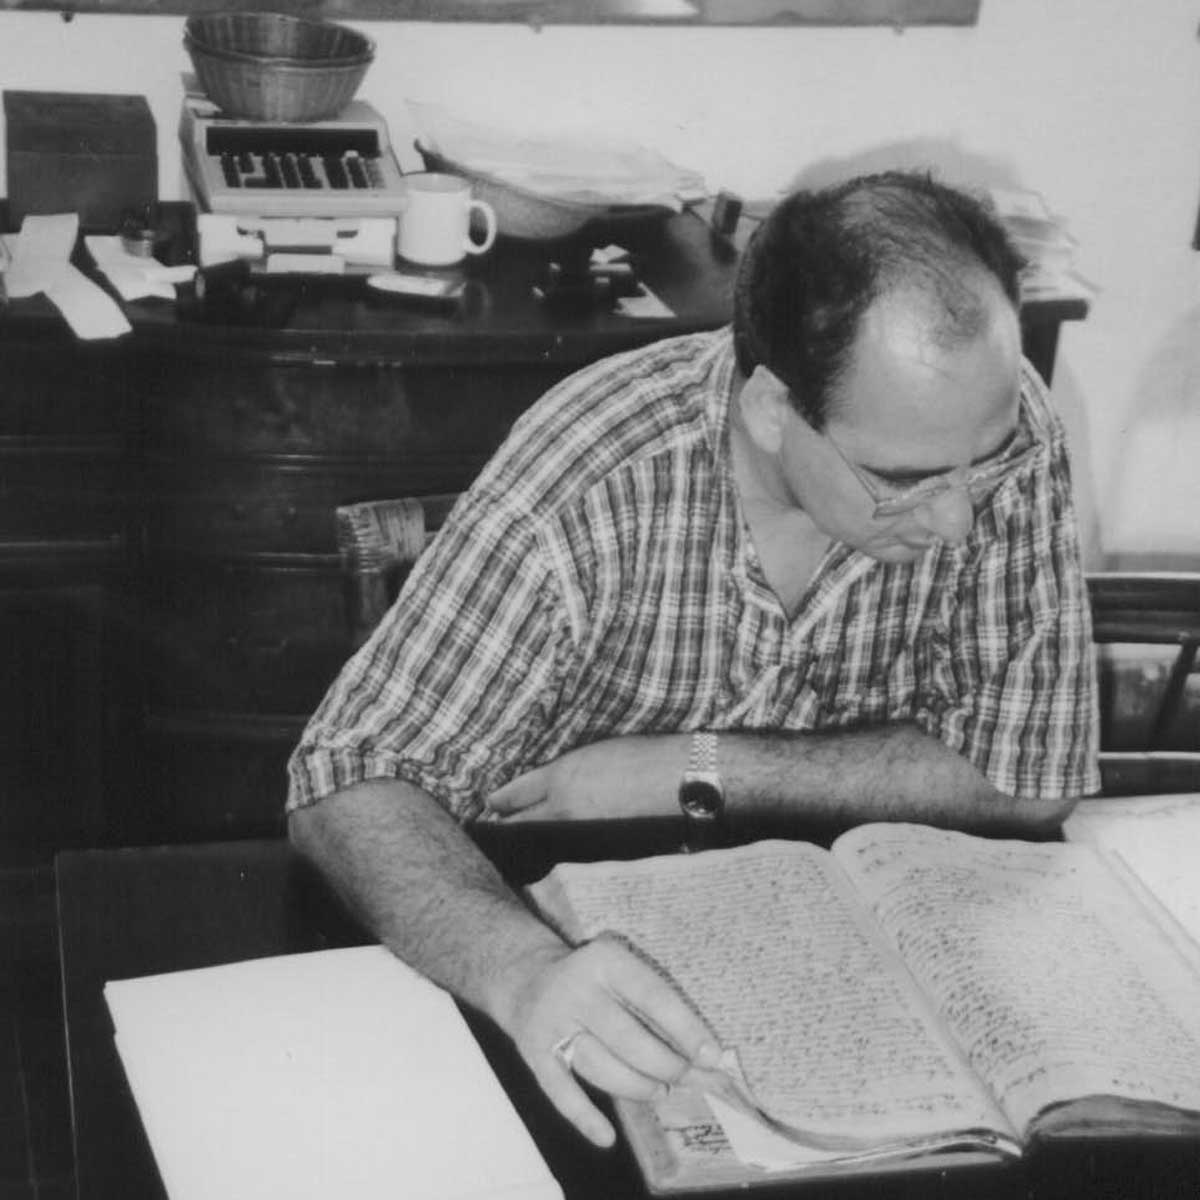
x=977, y=480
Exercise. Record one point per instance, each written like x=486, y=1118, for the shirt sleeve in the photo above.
x=451, y=691
x=1014, y=690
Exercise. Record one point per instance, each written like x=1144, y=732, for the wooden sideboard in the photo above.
x=171, y=605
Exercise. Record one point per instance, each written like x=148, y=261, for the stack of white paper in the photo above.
x=1043, y=240
x=1157, y=838
x=338, y=1073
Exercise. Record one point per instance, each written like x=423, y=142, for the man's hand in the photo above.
x=604, y=1014
x=411, y=873
x=635, y=776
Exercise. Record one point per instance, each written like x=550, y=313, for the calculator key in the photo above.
x=356, y=171
x=308, y=173
x=336, y=173
x=290, y=171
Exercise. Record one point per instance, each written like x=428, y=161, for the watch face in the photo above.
x=700, y=799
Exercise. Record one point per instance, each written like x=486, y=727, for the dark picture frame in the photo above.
x=537, y=13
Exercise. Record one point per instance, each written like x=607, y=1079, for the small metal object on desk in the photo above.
x=584, y=287
x=573, y=292
x=138, y=241
x=140, y=235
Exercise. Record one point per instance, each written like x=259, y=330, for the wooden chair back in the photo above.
x=1149, y=735
x=378, y=542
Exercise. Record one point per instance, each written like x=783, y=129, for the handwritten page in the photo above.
x=1158, y=838
x=338, y=1073
x=769, y=943
x=1052, y=975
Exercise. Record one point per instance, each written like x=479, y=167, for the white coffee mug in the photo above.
x=435, y=220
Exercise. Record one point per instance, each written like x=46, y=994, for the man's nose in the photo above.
x=949, y=516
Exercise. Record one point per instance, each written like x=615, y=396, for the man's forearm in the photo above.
x=889, y=773
x=423, y=887
x=436, y=902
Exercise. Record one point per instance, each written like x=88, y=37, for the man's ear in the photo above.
x=766, y=407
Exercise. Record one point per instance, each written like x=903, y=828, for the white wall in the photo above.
x=1096, y=103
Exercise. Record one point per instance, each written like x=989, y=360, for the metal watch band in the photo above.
x=703, y=757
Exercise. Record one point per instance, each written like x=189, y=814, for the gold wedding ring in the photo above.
x=564, y=1049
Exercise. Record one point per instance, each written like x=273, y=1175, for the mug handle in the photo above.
x=489, y=233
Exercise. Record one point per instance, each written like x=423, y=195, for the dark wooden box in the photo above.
x=96, y=155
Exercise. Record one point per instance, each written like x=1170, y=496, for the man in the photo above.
x=826, y=562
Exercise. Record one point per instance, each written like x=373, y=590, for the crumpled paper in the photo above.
x=39, y=261
x=581, y=168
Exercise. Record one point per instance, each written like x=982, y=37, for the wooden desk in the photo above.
x=130, y=912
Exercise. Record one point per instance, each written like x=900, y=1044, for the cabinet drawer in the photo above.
x=337, y=409
x=65, y=494
x=220, y=506
x=49, y=388
x=244, y=639
x=54, y=701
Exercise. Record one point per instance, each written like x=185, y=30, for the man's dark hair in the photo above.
x=821, y=258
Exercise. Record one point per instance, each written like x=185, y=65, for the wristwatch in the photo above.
x=702, y=795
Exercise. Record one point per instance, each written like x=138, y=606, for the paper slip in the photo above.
x=603, y=255
x=40, y=253
x=41, y=262
x=645, y=305
x=337, y=1073
x=135, y=278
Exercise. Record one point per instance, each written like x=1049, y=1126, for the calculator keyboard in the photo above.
x=270, y=169
x=341, y=168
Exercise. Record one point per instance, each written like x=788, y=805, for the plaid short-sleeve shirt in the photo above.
x=598, y=579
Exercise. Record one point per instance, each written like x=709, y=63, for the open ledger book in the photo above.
x=910, y=992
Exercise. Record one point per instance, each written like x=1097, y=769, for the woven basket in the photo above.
x=272, y=90
x=277, y=36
